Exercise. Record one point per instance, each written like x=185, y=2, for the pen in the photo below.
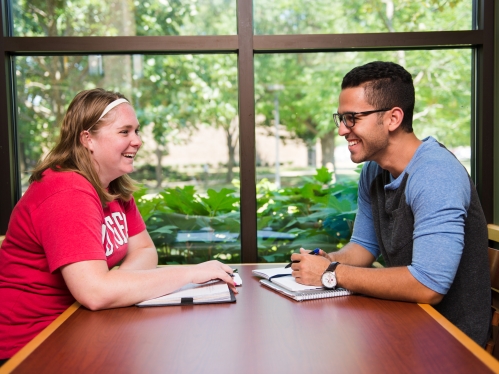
x=314, y=252
x=232, y=274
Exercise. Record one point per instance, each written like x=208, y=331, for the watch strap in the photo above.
x=332, y=266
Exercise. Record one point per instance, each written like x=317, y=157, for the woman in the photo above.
x=76, y=221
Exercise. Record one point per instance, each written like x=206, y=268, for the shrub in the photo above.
x=189, y=228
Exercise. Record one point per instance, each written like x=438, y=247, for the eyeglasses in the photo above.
x=348, y=118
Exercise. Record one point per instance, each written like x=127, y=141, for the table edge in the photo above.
x=25, y=351
x=464, y=339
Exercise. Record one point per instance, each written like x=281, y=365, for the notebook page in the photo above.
x=291, y=284
x=218, y=291
x=267, y=273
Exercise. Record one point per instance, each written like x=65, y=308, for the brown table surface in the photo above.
x=263, y=332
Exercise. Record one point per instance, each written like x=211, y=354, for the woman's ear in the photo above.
x=86, y=140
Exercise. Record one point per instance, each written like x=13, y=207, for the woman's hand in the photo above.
x=210, y=270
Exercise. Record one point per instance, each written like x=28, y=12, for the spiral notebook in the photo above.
x=307, y=294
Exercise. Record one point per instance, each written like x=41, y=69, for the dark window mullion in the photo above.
x=484, y=111
x=345, y=42
x=246, y=87
x=121, y=44
x=9, y=181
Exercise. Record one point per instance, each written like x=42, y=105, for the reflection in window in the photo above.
x=306, y=181
x=188, y=164
x=360, y=16
x=124, y=18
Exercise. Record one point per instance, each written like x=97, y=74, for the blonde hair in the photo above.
x=69, y=154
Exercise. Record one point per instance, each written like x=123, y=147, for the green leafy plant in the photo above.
x=319, y=213
x=188, y=228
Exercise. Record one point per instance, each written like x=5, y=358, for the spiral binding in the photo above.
x=322, y=294
x=307, y=295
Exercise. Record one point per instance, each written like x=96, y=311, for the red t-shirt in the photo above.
x=58, y=221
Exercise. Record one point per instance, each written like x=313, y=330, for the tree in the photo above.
x=312, y=81
x=44, y=83
x=175, y=94
x=215, y=77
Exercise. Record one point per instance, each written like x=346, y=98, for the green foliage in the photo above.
x=182, y=200
x=319, y=213
x=219, y=202
x=312, y=80
x=359, y=16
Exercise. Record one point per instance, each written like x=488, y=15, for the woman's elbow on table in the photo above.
x=94, y=303
x=95, y=297
x=89, y=284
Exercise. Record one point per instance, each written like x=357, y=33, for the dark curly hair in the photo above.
x=386, y=85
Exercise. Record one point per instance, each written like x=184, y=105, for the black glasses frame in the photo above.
x=341, y=118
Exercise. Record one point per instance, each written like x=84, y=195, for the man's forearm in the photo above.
x=352, y=254
x=308, y=269
x=395, y=283
x=355, y=273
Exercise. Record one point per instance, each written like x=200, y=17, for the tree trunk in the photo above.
x=232, y=158
x=327, y=147
x=159, y=169
x=232, y=133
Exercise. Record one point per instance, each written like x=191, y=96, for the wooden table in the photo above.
x=263, y=332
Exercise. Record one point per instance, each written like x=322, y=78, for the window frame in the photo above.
x=245, y=44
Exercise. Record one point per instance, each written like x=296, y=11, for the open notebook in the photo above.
x=206, y=293
x=283, y=277
x=272, y=272
x=281, y=280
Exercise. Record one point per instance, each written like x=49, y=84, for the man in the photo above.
x=417, y=207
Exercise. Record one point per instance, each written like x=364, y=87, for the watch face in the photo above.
x=329, y=279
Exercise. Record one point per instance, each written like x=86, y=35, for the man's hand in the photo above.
x=309, y=269
x=328, y=256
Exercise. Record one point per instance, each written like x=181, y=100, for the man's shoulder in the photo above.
x=370, y=170
x=434, y=160
x=438, y=177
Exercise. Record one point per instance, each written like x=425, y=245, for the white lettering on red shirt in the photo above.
x=114, y=232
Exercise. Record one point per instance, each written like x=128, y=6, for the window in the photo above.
x=189, y=126
x=306, y=182
x=238, y=98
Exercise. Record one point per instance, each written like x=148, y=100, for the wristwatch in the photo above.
x=329, y=276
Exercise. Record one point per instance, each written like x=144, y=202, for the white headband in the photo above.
x=110, y=106
x=115, y=103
